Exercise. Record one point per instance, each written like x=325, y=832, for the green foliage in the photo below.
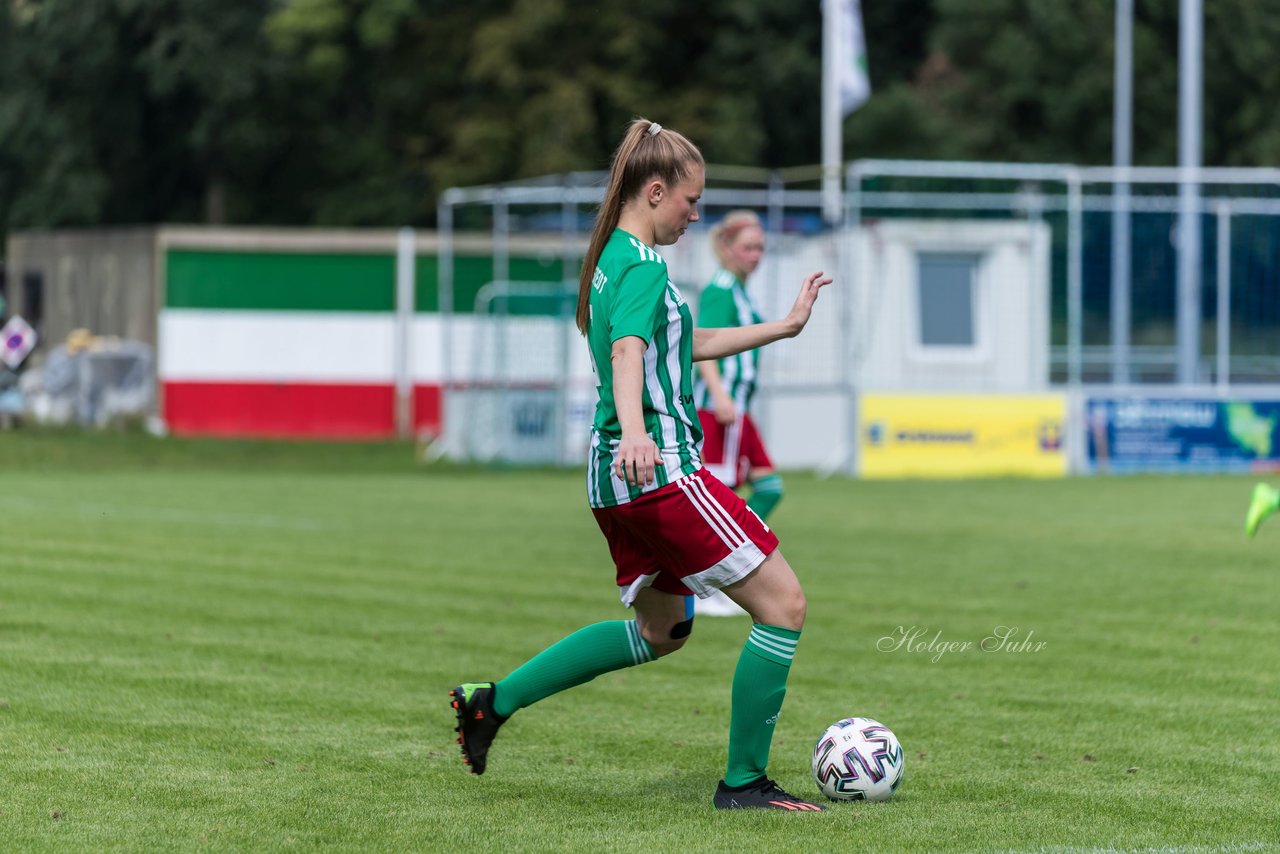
x=1242, y=125
x=1025, y=80
x=246, y=651
x=1035, y=72
x=359, y=112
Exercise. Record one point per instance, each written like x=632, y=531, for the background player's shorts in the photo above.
x=693, y=535
x=729, y=451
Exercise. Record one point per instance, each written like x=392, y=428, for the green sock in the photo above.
x=765, y=495
x=759, y=684
x=579, y=658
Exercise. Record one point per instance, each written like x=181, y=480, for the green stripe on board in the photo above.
x=296, y=281
x=286, y=281
x=471, y=273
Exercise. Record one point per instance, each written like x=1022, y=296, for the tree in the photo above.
x=1026, y=80
x=360, y=112
x=206, y=68
x=127, y=110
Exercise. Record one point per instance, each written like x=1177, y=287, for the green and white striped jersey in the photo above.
x=631, y=295
x=725, y=302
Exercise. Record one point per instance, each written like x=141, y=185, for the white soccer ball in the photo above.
x=858, y=759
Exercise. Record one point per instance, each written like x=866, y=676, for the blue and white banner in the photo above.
x=1137, y=434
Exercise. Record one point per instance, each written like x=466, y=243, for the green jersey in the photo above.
x=725, y=302
x=631, y=295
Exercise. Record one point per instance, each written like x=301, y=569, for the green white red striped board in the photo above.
x=282, y=341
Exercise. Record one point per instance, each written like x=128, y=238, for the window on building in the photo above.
x=946, y=297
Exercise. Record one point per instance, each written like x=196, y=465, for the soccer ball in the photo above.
x=858, y=759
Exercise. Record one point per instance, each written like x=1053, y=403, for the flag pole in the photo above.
x=832, y=130
x=1190, y=108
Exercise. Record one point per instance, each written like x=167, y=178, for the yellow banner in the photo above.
x=901, y=435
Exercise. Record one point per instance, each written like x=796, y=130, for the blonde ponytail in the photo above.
x=647, y=151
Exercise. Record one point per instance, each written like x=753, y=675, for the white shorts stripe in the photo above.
x=708, y=516
x=734, y=528
x=705, y=513
x=735, y=533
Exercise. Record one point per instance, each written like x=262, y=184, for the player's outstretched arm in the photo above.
x=717, y=343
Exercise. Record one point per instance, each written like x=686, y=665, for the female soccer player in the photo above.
x=672, y=527
x=731, y=445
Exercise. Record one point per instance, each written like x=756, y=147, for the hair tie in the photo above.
x=654, y=128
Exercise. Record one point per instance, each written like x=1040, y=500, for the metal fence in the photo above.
x=1158, y=279
x=558, y=212
x=1134, y=300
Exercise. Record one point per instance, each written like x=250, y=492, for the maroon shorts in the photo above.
x=732, y=450
x=694, y=535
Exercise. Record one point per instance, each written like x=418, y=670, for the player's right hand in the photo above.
x=637, y=459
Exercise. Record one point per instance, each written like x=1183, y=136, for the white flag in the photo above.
x=855, y=84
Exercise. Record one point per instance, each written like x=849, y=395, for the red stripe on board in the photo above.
x=280, y=410
x=427, y=414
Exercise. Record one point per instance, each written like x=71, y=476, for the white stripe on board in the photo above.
x=299, y=346
x=316, y=346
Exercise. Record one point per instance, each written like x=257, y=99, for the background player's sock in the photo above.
x=765, y=495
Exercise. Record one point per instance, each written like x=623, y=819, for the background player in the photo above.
x=732, y=448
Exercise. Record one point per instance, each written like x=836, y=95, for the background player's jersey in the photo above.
x=725, y=302
x=631, y=295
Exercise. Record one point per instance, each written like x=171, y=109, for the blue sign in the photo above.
x=1143, y=434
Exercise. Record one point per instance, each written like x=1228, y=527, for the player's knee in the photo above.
x=666, y=646
x=665, y=641
x=801, y=608
x=794, y=608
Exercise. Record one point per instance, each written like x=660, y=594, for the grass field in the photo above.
x=209, y=646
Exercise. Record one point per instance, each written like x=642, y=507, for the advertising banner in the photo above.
x=1131, y=434
x=976, y=435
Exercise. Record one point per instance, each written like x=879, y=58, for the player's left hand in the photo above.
x=803, y=307
x=725, y=410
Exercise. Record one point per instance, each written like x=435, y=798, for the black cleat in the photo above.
x=477, y=722
x=763, y=794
